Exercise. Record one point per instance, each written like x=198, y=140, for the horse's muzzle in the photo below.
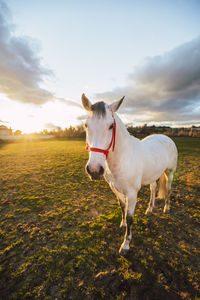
x=94, y=175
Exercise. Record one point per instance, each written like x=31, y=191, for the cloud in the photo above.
x=51, y=126
x=4, y=122
x=82, y=117
x=69, y=102
x=164, y=88
x=21, y=69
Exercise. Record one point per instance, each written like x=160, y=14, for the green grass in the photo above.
x=59, y=234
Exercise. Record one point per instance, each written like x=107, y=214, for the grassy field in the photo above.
x=59, y=234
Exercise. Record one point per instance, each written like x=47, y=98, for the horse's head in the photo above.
x=100, y=134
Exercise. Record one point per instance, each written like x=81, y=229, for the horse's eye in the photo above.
x=111, y=126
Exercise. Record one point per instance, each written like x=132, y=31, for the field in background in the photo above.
x=59, y=234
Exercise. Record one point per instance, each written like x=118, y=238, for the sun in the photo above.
x=28, y=124
x=32, y=118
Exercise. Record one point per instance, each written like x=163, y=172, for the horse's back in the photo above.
x=158, y=153
x=162, y=145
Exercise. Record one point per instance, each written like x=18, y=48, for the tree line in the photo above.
x=138, y=131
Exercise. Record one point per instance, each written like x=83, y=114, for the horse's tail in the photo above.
x=162, y=192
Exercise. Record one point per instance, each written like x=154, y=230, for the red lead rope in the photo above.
x=112, y=144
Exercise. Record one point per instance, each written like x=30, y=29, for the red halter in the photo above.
x=112, y=143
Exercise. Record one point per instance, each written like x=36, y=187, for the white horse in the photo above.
x=126, y=162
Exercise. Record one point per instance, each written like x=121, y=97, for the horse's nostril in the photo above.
x=101, y=170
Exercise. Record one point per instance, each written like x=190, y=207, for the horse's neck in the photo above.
x=123, y=143
x=122, y=134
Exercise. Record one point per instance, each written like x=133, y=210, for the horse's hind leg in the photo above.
x=153, y=187
x=169, y=175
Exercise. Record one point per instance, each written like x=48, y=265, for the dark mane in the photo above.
x=99, y=108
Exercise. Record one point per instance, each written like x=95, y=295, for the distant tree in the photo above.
x=18, y=132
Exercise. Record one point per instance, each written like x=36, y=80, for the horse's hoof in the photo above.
x=148, y=212
x=123, y=251
x=166, y=210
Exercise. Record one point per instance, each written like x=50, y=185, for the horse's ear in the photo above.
x=114, y=106
x=86, y=102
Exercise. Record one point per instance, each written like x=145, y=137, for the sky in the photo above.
x=53, y=51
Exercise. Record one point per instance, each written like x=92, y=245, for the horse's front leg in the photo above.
x=122, y=202
x=121, y=198
x=130, y=208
